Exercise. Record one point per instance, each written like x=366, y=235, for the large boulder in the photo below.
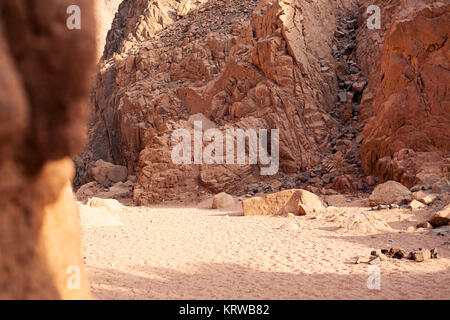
x=108, y=174
x=295, y=201
x=223, y=201
x=119, y=190
x=390, y=192
x=46, y=71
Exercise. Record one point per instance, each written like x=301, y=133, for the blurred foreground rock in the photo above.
x=44, y=88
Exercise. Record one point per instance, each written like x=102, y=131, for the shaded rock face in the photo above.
x=138, y=20
x=45, y=80
x=261, y=67
x=407, y=97
x=345, y=184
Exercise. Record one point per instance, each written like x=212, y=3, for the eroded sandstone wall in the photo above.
x=138, y=20
x=262, y=64
x=407, y=102
x=45, y=81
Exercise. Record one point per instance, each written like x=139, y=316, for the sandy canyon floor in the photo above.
x=191, y=253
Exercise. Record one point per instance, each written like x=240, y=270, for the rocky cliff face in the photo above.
x=105, y=11
x=264, y=65
x=290, y=65
x=407, y=100
x=45, y=81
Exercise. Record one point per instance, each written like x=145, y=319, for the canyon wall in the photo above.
x=407, y=104
x=264, y=65
x=45, y=83
x=288, y=65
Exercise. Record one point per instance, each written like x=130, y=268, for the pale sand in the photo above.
x=190, y=253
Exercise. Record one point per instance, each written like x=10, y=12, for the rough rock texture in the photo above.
x=296, y=201
x=138, y=20
x=45, y=80
x=262, y=66
x=420, y=255
x=345, y=184
x=412, y=168
x=390, y=192
x=289, y=65
x=105, y=11
x=406, y=101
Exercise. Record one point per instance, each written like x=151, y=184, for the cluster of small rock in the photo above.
x=386, y=207
x=342, y=167
x=394, y=195
x=420, y=255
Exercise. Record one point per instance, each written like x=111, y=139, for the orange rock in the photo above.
x=259, y=71
x=409, y=107
x=441, y=218
x=370, y=180
x=411, y=168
